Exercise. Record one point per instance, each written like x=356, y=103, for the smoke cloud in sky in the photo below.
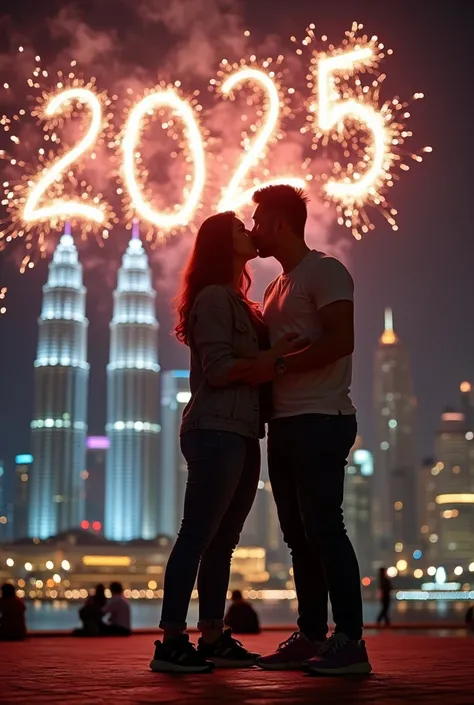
x=137, y=43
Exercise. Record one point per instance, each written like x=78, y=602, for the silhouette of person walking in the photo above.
x=385, y=587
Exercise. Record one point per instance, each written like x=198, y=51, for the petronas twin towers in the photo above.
x=59, y=426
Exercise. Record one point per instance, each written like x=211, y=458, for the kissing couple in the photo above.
x=286, y=366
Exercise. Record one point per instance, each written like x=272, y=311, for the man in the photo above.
x=241, y=616
x=118, y=611
x=310, y=436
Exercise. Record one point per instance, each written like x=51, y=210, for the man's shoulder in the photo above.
x=319, y=259
x=327, y=266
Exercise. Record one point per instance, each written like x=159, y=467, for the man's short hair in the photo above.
x=116, y=588
x=287, y=201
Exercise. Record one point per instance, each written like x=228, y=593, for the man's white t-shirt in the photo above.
x=291, y=304
x=118, y=610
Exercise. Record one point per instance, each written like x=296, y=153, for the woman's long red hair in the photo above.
x=210, y=262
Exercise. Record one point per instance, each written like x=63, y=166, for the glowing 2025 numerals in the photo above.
x=330, y=113
x=63, y=207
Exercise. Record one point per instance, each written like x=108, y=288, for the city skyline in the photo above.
x=423, y=272
x=134, y=353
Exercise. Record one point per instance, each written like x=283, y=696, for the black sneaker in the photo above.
x=227, y=652
x=178, y=655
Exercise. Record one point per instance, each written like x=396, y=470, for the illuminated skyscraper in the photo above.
x=427, y=510
x=262, y=527
x=467, y=405
x=96, y=459
x=394, y=504
x=175, y=395
x=454, y=478
x=131, y=504
x=61, y=374
x=358, y=504
x=21, y=493
x=5, y=523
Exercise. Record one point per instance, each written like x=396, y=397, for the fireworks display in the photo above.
x=192, y=144
x=233, y=197
x=353, y=153
x=346, y=115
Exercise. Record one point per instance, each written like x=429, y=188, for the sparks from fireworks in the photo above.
x=342, y=113
x=346, y=112
x=164, y=221
x=62, y=208
x=233, y=197
x=44, y=175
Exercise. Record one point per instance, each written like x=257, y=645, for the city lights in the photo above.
x=402, y=565
x=183, y=397
x=463, y=498
x=10, y=562
x=49, y=565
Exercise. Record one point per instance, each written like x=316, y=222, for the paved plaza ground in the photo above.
x=408, y=668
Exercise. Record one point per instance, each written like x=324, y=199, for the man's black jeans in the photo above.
x=223, y=472
x=306, y=459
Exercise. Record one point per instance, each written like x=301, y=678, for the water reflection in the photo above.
x=145, y=613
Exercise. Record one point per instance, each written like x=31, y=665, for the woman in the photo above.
x=220, y=429
x=12, y=615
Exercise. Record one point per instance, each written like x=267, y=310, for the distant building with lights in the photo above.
x=5, y=518
x=262, y=527
x=358, y=504
x=453, y=474
x=131, y=491
x=467, y=405
x=94, y=475
x=59, y=426
x=21, y=493
x=427, y=508
x=175, y=394
x=394, y=500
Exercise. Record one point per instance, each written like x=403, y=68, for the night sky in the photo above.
x=424, y=271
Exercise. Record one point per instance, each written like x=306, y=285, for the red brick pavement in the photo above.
x=408, y=668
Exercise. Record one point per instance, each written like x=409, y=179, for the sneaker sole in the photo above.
x=229, y=663
x=166, y=667
x=288, y=666
x=356, y=669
